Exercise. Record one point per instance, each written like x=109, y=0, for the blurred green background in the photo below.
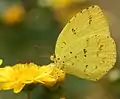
x=28, y=33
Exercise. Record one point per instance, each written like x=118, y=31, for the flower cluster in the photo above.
x=17, y=76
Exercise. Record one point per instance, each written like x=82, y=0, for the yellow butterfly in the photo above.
x=85, y=48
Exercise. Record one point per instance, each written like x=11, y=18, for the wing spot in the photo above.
x=90, y=19
x=64, y=56
x=87, y=40
x=64, y=43
x=81, y=11
x=75, y=57
x=72, y=63
x=63, y=62
x=58, y=58
x=100, y=48
x=70, y=52
x=96, y=67
x=86, y=66
x=85, y=51
x=103, y=61
x=73, y=30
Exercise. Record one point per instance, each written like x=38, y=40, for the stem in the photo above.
x=28, y=95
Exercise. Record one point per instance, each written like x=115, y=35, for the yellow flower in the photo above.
x=13, y=14
x=7, y=78
x=15, y=77
x=26, y=72
x=50, y=75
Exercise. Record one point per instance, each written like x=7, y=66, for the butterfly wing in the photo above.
x=84, y=48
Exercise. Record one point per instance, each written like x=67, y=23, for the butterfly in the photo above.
x=84, y=47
